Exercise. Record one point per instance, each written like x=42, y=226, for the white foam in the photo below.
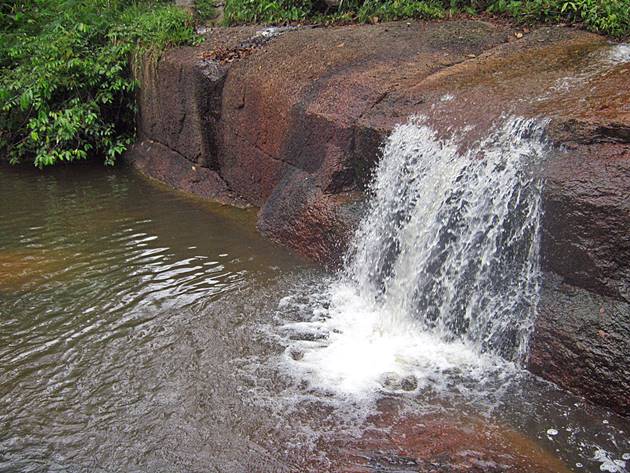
x=608, y=462
x=442, y=275
x=357, y=349
x=620, y=53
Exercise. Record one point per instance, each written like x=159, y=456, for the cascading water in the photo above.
x=450, y=242
x=443, y=270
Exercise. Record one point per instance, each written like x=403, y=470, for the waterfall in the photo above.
x=442, y=272
x=450, y=241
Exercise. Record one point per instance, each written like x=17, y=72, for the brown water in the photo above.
x=138, y=332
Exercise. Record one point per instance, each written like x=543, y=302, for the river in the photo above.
x=145, y=331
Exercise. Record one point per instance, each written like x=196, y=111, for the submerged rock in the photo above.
x=409, y=383
x=391, y=380
x=296, y=353
x=439, y=444
x=394, y=382
x=22, y=269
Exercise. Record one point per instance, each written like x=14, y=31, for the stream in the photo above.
x=142, y=330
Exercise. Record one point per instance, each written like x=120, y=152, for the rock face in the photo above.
x=582, y=342
x=291, y=121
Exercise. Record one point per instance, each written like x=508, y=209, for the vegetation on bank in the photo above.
x=611, y=17
x=66, y=88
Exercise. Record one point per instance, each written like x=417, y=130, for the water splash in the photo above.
x=450, y=242
x=442, y=273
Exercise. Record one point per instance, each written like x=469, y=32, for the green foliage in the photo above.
x=610, y=17
x=205, y=9
x=287, y=11
x=66, y=90
x=268, y=11
x=397, y=9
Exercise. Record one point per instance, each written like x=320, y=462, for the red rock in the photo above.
x=433, y=443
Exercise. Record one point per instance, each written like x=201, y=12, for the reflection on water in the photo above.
x=139, y=331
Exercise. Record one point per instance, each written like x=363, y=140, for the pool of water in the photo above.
x=145, y=331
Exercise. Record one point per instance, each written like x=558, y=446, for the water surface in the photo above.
x=105, y=284
x=144, y=331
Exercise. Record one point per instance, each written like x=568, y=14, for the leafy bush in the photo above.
x=66, y=89
x=205, y=9
x=397, y=9
x=268, y=11
x=604, y=16
x=611, y=17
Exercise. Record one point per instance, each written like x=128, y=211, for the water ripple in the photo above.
x=97, y=272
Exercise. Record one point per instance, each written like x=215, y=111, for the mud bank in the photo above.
x=291, y=121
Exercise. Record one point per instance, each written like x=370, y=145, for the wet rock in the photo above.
x=391, y=380
x=587, y=219
x=308, y=336
x=296, y=353
x=159, y=162
x=581, y=341
x=409, y=383
x=179, y=109
x=587, y=202
x=394, y=382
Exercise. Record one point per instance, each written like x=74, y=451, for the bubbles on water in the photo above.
x=345, y=348
x=608, y=462
x=619, y=53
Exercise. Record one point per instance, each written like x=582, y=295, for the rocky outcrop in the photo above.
x=180, y=98
x=582, y=342
x=291, y=121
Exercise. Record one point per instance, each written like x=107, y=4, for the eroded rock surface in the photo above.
x=292, y=121
x=582, y=342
